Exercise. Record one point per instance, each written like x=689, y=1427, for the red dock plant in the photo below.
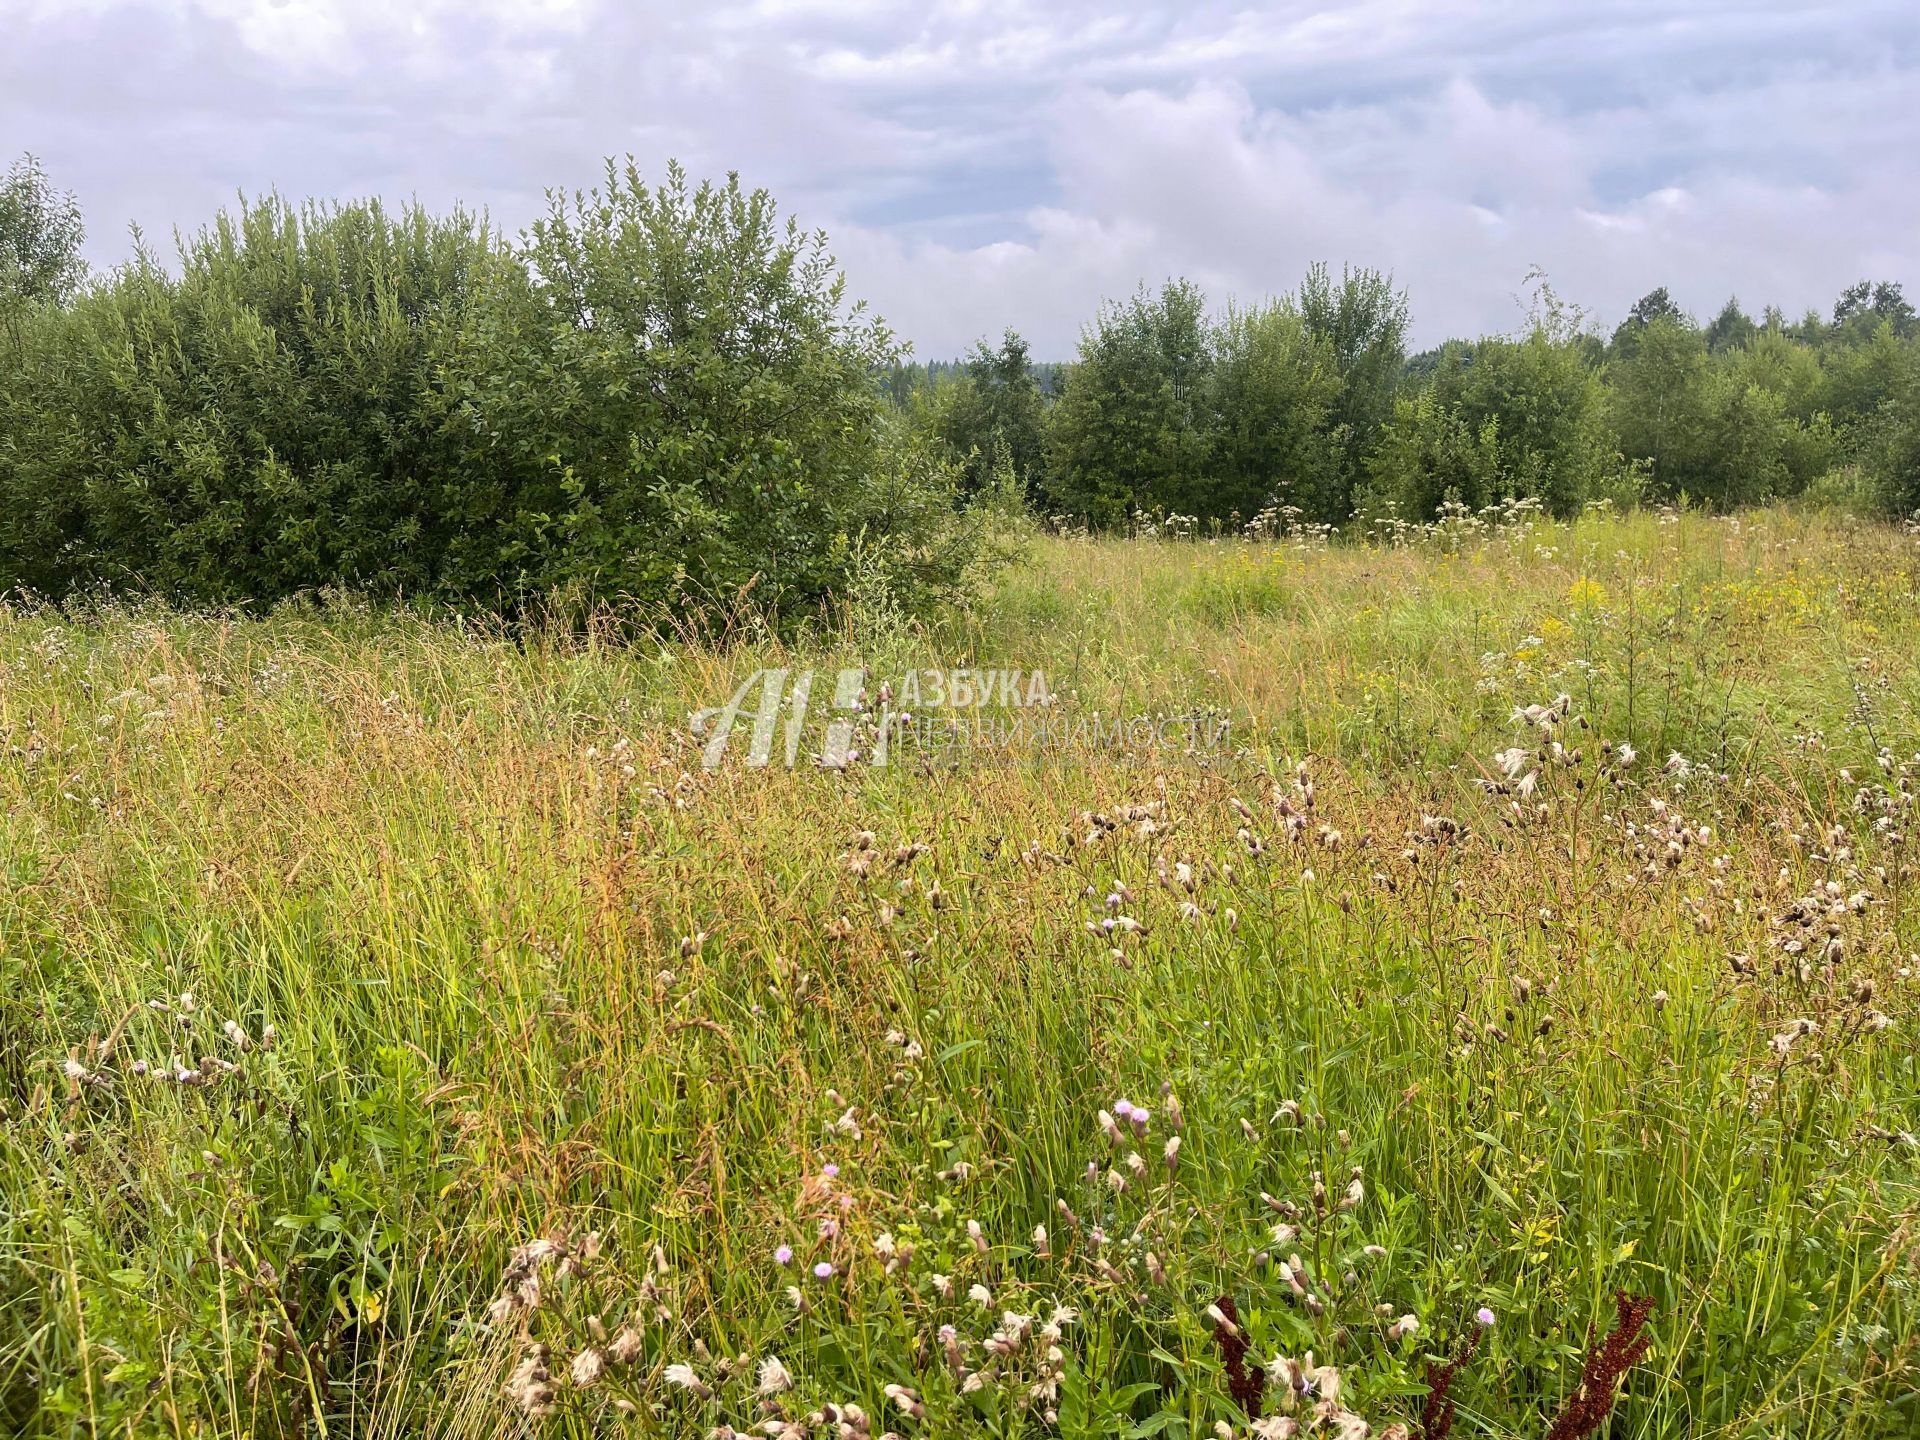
x=1436, y=1417
x=1246, y=1386
x=1605, y=1364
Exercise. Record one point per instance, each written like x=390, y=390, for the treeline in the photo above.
x=663, y=393
x=657, y=393
x=1309, y=406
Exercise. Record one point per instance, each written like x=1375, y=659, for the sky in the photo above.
x=980, y=164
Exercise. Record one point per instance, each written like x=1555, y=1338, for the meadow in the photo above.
x=403, y=1033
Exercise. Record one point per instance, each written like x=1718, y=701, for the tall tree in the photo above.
x=1129, y=432
x=1363, y=322
x=1866, y=305
x=1271, y=392
x=1654, y=306
x=992, y=415
x=40, y=237
x=1731, y=328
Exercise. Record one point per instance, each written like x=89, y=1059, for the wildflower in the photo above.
x=906, y=1400
x=1040, y=1245
x=530, y=1386
x=783, y=1255
x=1483, y=1317
x=1172, y=1153
x=587, y=1368
x=823, y=1271
x=981, y=1296
x=236, y=1036
x=682, y=1377
x=626, y=1346
x=1625, y=755
x=943, y=1286
x=1356, y=1192
x=773, y=1377
x=1156, y=1272
x=1404, y=1326
x=974, y=1234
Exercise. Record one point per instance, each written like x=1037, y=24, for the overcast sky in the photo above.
x=985, y=163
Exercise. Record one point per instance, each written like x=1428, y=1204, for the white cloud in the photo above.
x=990, y=162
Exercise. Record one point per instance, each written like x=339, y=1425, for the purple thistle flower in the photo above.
x=783, y=1256
x=823, y=1271
x=1483, y=1316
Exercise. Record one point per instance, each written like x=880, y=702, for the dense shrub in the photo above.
x=1718, y=429
x=1130, y=432
x=1168, y=411
x=992, y=414
x=1502, y=419
x=264, y=421
x=660, y=393
x=1891, y=453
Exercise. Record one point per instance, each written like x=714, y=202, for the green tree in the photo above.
x=993, y=412
x=674, y=398
x=1658, y=389
x=1363, y=322
x=1273, y=390
x=1718, y=429
x=264, y=421
x=1505, y=418
x=1730, y=329
x=1655, y=306
x=1865, y=305
x=1129, y=432
x=41, y=233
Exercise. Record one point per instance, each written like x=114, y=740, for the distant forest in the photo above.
x=667, y=393
x=1310, y=405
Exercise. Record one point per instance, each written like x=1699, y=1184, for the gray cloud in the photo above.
x=982, y=163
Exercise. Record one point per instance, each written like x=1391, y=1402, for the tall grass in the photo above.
x=533, y=973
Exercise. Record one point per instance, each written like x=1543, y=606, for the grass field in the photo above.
x=401, y=1033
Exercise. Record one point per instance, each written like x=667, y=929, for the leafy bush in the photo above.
x=1503, y=419
x=265, y=422
x=660, y=394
